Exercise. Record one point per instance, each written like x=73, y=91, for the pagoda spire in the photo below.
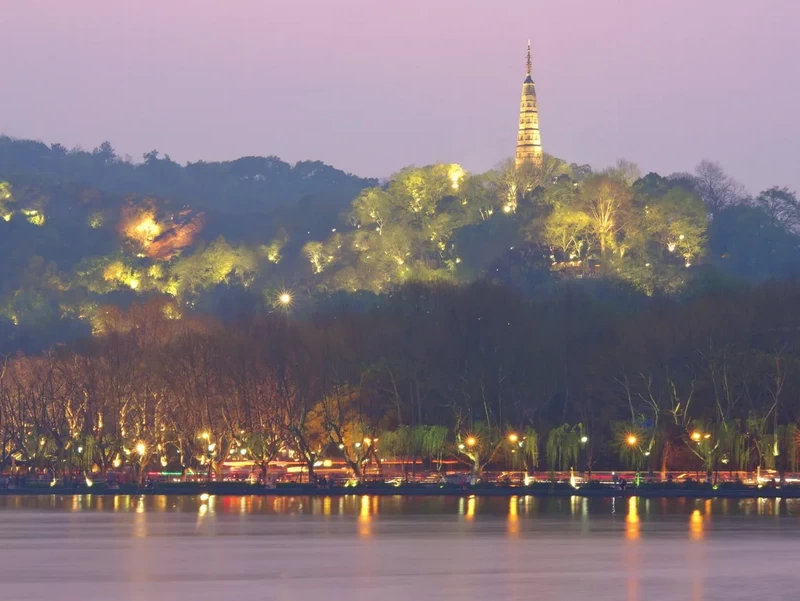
x=529, y=63
x=529, y=140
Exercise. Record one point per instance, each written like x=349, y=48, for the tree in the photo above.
x=606, y=200
x=781, y=206
x=717, y=189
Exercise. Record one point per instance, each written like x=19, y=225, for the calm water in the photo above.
x=393, y=549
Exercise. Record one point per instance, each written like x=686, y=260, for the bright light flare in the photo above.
x=141, y=448
x=285, y=299
x=513, y=438
x=696, y=436
x=631, y=440
x=471, y=441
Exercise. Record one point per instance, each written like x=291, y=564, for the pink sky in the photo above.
x=371, y=86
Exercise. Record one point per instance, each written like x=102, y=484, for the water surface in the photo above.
x=394, y=548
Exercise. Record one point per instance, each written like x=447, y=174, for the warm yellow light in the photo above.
x=455, y=174
x=205, y=436
x=367, y=441
x=507, y=208
x=631, y=439
x=471, y=442
x=513, y=438
x=141, y=448
x=696, y=436
x=285, y=298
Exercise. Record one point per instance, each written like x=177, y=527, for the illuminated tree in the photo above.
x=607, y=202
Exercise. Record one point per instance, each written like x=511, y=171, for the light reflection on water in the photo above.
x=634, y=509
x=354, y=547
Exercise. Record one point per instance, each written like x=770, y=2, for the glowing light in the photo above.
x=471, y=442
x=33, y=216
x=706, y=436
x=80, y=449
x=631, y=440
x=696, y=436
x=141, y=448
x=584, y=439
x=205, y=436
x=671, y=247
x=242, y=452
x=513, y=438
x=632, y=526
x=461, y=446
x=89, y=482
x=471, y=508
x=358, y=445
x=681, y=237
x=455, y=173
x=7, y=217
x=327, y=463
x=285, y=299
x=117, y=462
x=204, y=496
x=507, y=208
x=688, y=264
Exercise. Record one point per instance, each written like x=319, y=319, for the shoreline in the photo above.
x=237, y=490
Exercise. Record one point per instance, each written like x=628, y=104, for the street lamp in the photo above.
x=631, y=440
x=513, y=438
x=696, y=436
x=141, y=448
x=471, y=442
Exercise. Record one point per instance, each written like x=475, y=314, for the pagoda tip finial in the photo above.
x=528, y=63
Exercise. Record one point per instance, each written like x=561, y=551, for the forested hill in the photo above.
x=246, y=185
x=85, y=233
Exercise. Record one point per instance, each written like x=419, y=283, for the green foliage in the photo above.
x=215, y=264
x=563, y=447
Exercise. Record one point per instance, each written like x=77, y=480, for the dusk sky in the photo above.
x=371, y=86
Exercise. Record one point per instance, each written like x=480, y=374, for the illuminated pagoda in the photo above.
x=529, y=140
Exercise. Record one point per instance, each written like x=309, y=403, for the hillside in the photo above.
x=84, y=231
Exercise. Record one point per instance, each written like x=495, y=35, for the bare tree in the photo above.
x=717, y=189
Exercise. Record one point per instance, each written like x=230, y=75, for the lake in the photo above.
x=147, y=548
